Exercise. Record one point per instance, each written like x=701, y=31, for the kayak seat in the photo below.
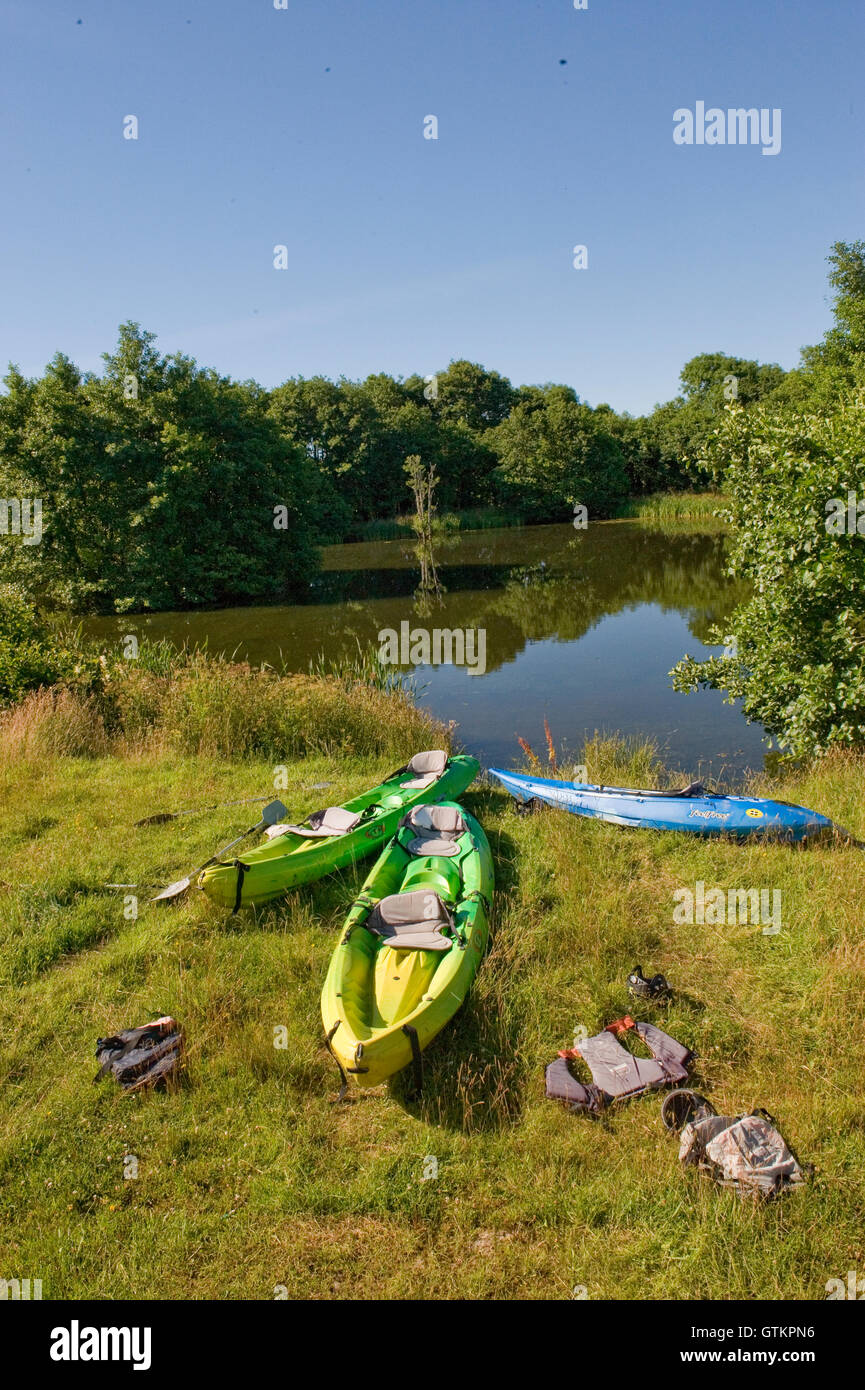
x=425, y=768
x=321, y=824
x=412, y=921
x=436, y=830
x=692, y=789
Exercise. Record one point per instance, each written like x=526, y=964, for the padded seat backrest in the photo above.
x=434, y=760
x=412, y=921
x=335, y=820
x=436, y=830
x=425, y=768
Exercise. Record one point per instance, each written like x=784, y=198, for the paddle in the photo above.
x=162, y=816
x=271, y=814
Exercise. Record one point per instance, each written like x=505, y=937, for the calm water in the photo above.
x=580, y=626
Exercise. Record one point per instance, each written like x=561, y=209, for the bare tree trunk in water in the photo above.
x=422, y=481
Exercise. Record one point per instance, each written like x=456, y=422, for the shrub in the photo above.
x=34, y=654
x=796, y=649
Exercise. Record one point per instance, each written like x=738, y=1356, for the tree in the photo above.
x=553, y=455
x=712, y=379
x=797, y=660
x=843, y=346
x=471, y=396
x=163, y=485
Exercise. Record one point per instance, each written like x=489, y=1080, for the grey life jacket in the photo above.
x=616, y=1072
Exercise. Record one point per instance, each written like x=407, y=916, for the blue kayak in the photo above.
x=693, y=808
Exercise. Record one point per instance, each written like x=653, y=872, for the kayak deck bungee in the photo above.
x=337, y=836
x=411, y=946
x=692, y=809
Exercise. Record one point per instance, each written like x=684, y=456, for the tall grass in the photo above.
x=671, y=506
x=658, y=507
x=609, y=760
x=212, y=707
x=53, y=723
x=362, y=667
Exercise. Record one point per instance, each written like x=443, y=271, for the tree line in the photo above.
x=167, y=485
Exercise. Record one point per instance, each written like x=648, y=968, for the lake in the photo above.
x=580, y=626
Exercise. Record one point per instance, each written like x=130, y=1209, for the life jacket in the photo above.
x=615, y=1071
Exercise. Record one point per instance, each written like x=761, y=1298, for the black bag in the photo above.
x=140, y=1057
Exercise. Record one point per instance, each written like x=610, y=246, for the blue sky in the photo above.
x=304, y=127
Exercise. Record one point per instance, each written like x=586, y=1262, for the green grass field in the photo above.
x=251, y=1180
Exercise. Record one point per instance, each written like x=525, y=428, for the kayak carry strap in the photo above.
x=327, y=1042
x=477, y=896
x=417, y=1060
x=362, y=900
x=241, y=871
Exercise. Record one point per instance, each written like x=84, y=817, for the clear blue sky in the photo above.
x=305, y=127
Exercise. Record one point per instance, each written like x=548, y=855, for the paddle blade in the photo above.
x=173, y=891
x=272, y=813
x=159, y=819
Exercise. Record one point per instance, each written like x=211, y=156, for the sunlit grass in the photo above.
x=250, y=1177
x=672, y=506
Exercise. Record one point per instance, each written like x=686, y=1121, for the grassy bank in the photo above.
x=249, y=1177
x=657, y=506
x=469, y=519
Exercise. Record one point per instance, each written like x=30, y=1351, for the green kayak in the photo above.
x=412, y=944
x=337, y=836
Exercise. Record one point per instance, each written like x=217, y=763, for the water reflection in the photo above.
x=582, y=625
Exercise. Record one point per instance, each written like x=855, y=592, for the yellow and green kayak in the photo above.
x=337, y=836
x=412, y=944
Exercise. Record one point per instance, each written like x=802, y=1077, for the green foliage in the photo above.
x=467, y=519
x=35, y=653
x=662, y=450
x=553, y=454
x=673, y=506
x=473, y=397
x=159, y=483
x=799, y=662
x=840, y=355
x=362, y=667
x=164, y=496
x=193, y=703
